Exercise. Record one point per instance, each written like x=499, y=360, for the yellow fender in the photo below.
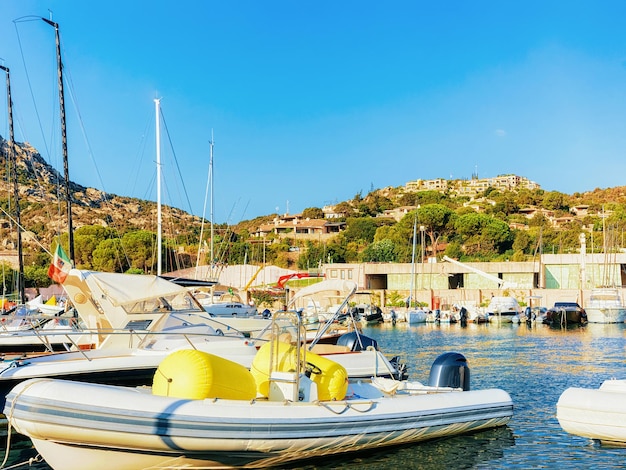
x=196, y=375
x=331, y=378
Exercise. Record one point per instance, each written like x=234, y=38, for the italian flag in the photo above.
x=60, y=267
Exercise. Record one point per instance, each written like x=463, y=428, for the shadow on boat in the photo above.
x=458, y=452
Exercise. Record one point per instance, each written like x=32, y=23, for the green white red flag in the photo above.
x=60, y=267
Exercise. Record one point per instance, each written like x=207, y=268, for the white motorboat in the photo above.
x=597, y=414
x=206, y=412
x=504, y=309
x=137, y=320
x=416, y=316
x=605, y=305
x=147, y=318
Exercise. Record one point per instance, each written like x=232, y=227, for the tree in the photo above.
x=106, y=257
x=381, y=252
x=522, y=241
x=311, y=257
x=482, y=234
x=86, y=239
x=554, y=200
x=436, y=220
x=312, y=213
x=139, y=248
x=360, y=229
x=36, y=276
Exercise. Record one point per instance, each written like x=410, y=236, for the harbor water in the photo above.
x=535, y=364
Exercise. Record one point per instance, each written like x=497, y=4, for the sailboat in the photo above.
x=414, y=315
x=605, y=304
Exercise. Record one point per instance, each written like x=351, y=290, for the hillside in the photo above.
x=495, y=224
x=43, y=208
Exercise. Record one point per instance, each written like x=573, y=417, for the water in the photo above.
x=534, y=364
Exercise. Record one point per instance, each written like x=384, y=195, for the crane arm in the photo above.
x=491, y=277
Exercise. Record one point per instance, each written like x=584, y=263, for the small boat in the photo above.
x=416, y=316
x=366, y=310
x=605, y=306
x=597, y=414
x=49, y=307
x=566, y=313
x=504, y=309
x=204, y=411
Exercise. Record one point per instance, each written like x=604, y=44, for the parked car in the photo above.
x=230, y=309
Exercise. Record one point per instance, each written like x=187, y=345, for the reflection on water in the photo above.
x=455, y=453
x=535, y=364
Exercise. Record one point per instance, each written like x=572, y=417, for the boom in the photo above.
x=501, y=282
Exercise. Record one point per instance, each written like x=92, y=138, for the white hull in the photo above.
x=504, y=317
x=605, y=314
x=80, y=426
x=597, y=414
x=605, y=306
x=416, y=316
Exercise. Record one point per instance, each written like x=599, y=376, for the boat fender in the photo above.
x=332, y=381
x=450, y=370
x=196, y=375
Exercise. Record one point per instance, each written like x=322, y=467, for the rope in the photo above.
x=36, y=459
x=346, y=406
x=10, y=427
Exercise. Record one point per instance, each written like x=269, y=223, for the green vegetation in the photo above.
x=497, y=230
x=116, y=233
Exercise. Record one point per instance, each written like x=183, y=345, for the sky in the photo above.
x=309, y=103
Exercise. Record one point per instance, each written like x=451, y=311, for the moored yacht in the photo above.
x=605, y=306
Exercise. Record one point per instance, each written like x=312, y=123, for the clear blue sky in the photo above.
x=312, y=102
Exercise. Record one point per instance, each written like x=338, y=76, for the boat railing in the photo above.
x=12, y=324
x=136, y=338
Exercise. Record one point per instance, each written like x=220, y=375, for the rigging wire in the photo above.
x=46, y=141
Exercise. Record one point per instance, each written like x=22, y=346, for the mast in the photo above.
x=64, y=139
x=13, y=162
x=157, y=103
x=211, y=206
x=413, y=261
x=209, y=183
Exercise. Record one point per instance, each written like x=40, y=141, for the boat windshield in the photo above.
x=181, y=301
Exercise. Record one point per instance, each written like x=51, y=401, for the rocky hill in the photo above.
x=43, y=207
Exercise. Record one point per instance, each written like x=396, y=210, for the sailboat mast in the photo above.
x=211, y=207
x=64, y=139
x=413, y=261
x=13, y=162
x=157, y=103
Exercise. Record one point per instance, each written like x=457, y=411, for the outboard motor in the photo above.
x=402, y=372
x=450, y=370
x=356, y=342
x=463, y=315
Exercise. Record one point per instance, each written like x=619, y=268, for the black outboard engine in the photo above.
x=463, y=315
x=450, y=370
x=402, y=372
x=356, y=342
